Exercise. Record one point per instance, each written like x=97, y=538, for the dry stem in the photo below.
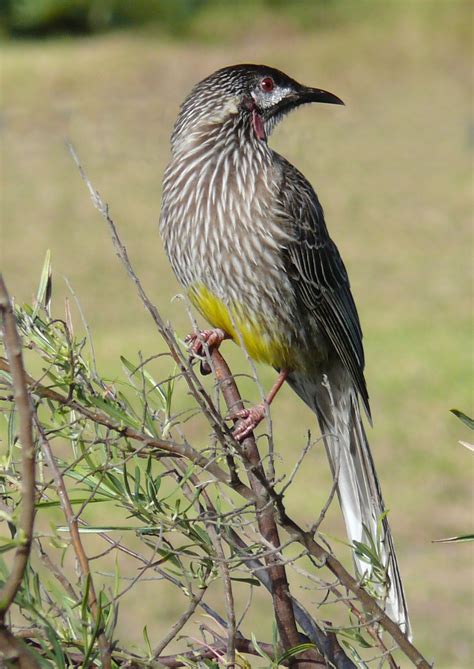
x=9, y=646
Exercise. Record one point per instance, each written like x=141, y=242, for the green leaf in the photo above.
x=147, y=641
x=56, y=647
x=250, y=581
x=452, y=540
x=104, y=528
x=74, y=500
x=137, y=482
x=465, y=419
x=43, y=295
x=8, y=545
x=259, y=650
x=296, y=650
x=115, y=412
x=152, y=486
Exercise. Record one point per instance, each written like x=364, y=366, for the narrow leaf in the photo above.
x=465, y=419
x=452, y=540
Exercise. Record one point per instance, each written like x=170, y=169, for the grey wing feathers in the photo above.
x=320, y=277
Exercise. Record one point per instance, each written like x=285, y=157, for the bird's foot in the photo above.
x=199, y=342
x=249, y=419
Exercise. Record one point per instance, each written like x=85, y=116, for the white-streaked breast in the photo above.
x=219, y=221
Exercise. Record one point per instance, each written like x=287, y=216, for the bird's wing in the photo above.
x=321, y=280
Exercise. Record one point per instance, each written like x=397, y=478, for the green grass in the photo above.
x=392, y=169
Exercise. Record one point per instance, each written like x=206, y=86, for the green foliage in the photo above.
x=467, y=420
x=41, y=17
x=99, y=466
x=44, y=17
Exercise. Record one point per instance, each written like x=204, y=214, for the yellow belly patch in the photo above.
x=260, y=344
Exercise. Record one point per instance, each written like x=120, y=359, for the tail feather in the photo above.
x=336, y=405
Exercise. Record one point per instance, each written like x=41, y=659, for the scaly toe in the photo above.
x=197, y=340
x=239, y=414
x=249, y=419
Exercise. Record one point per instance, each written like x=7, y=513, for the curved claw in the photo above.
x=197, y=342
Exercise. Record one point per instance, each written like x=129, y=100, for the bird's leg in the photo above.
x=198, y=341
x=250, y=418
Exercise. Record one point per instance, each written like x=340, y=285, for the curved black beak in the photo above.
x=307, y=94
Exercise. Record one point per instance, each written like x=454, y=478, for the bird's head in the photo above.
x=262, y=94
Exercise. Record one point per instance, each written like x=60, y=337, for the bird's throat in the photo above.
x=257, y=125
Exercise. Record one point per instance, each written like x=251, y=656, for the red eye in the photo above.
x=267, y=84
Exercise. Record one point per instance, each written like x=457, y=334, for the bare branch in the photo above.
x=180, y=623
x=71, y=519
x=14, y=652
x=215, y=536
x=56, y=571
x=200, y=395
x=24, y=533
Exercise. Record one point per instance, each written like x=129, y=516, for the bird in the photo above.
x=246, y=236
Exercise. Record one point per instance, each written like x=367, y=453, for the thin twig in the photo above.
x=215, y=536
x=200, y=395
x=259, y=572
x=180, y=623
x=71, y=519
x=132, y=661
x=309, y=444
x=349, y=602
x=322, y=514
x=56, y=571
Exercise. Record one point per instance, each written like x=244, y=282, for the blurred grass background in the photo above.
x=393, y=170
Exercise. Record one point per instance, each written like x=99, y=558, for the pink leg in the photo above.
x=250, y=418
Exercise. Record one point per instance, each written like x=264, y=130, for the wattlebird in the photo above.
x=245, y=234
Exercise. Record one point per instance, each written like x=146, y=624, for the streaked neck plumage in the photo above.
x=220, y=174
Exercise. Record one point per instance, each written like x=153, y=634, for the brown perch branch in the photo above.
x=233, y=399
x=265, y=512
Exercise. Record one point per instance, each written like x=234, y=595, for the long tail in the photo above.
x=334, y=400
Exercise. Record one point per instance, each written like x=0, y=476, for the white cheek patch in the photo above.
x=279, y=94
x=266, y=100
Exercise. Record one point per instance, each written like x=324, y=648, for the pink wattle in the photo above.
x=258, y=126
